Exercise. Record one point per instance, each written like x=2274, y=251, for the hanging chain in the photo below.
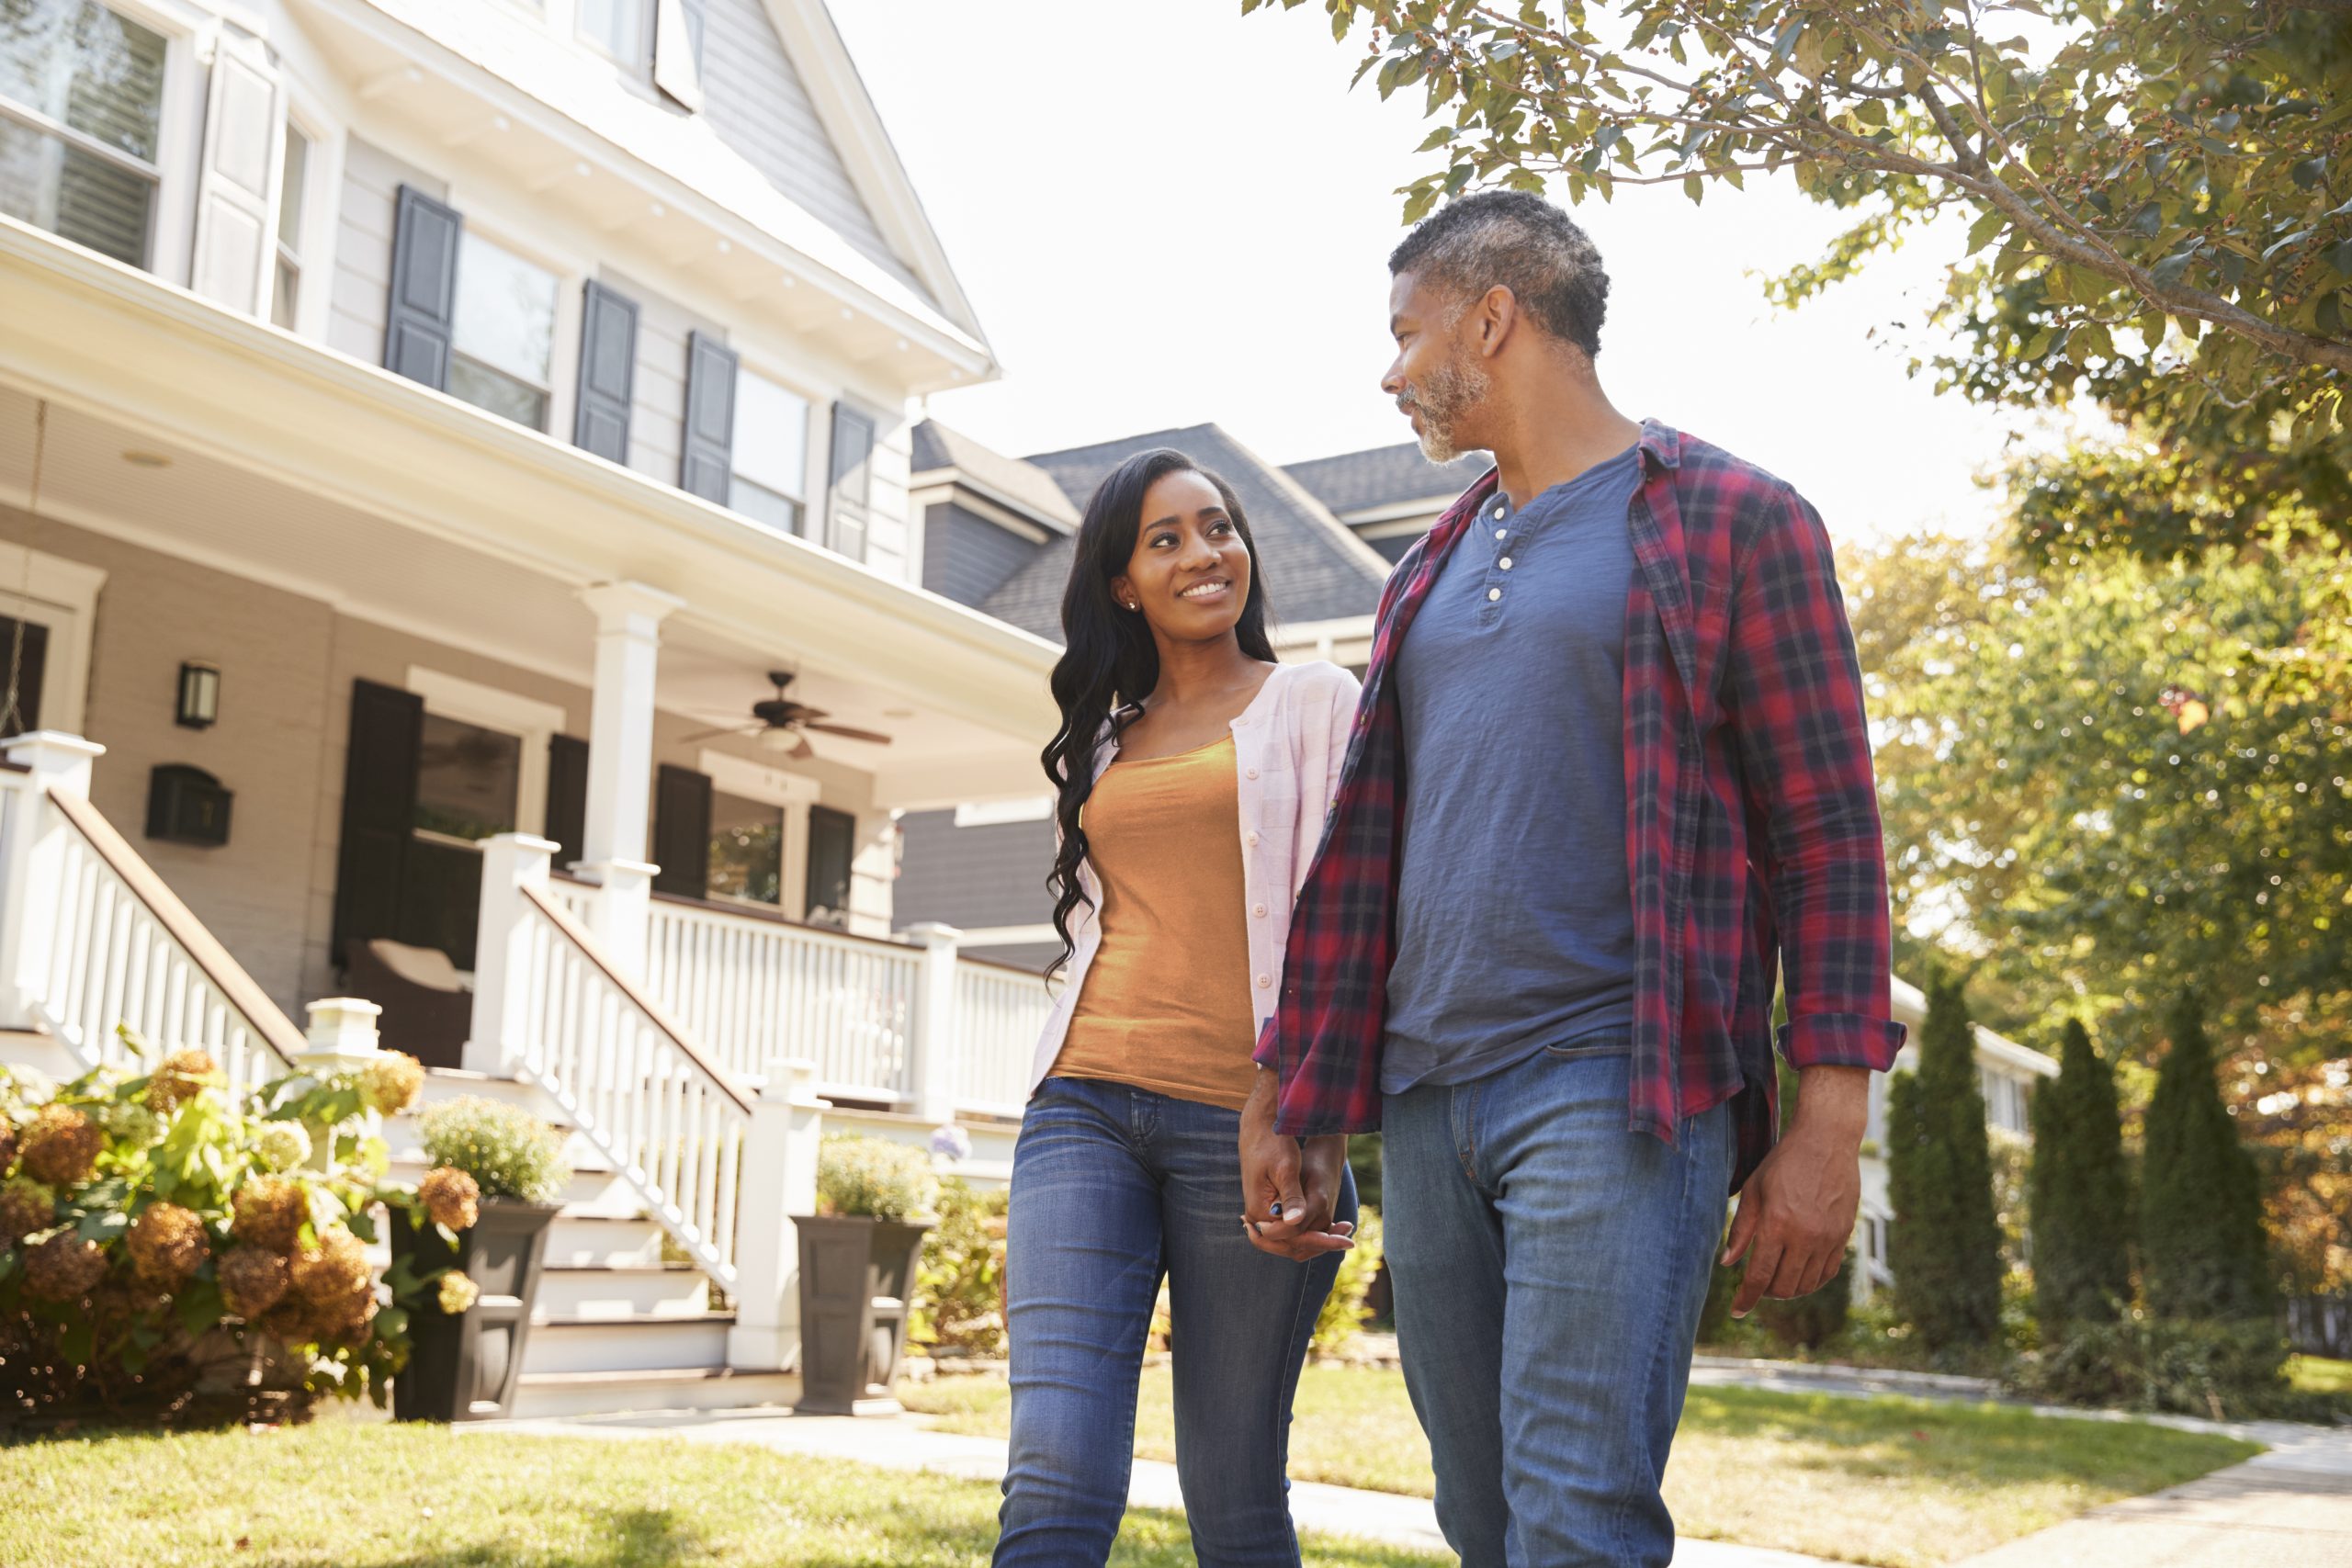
x=12, y=713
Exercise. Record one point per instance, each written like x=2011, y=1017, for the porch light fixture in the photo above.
x=199, y=695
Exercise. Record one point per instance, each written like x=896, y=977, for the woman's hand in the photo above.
x=1290, y=1185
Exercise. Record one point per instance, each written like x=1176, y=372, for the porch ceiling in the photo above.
x=299, y=468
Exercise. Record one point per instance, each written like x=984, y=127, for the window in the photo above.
x=746, y=849
x=288, y=288
x=618, y=28
x=833, y=845
x=468, y=780
x=80, y=99
x=504, y=333
x=24, y=664
x=771, y=453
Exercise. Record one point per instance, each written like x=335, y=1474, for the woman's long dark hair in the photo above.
x=1109, y=662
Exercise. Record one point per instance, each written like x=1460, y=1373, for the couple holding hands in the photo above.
x=1522, y=903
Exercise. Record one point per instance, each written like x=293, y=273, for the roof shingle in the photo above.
x=1387, y=476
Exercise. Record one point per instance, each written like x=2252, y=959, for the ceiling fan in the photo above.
x=777, y=723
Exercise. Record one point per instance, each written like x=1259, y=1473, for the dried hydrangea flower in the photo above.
x=167, y=1244
x=269, y=1212
x=390, y=1083
x=253, y=1280
x=458, y=1292
x=64, y=1268
x=61, y=1147
x=183, y=1077
x=450, y=1196
x=26, y=1207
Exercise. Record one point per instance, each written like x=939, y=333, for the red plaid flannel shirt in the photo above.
x=1752, y=826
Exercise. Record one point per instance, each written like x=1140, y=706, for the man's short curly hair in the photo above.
x=1523, y=243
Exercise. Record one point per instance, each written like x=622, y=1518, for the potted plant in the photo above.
x=875, y=1201
x=476, y=1234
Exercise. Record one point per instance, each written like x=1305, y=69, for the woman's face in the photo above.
x=1190, y=574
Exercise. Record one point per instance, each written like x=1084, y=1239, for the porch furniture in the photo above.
x=427, y=1002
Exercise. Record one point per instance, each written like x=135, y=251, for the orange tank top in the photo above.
x=1166, y=1002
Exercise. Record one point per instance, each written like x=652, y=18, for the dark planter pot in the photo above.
x=857, y=1281
x=464, y=1367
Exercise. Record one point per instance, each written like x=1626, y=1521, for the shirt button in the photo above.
x=1250, y=772
x=1498, y=508
x=1250, y=839
x=1503, y=534
x=1494, y=593
x=1259, y=910
x=1264, y=981
x=1505, y=563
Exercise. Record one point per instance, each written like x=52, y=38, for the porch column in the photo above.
x=620, y=764
x=33, y=874
x=779, y=1180
x=497, y=1038
x=931, y=1042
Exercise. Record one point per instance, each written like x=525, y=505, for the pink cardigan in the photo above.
x=1288, y=745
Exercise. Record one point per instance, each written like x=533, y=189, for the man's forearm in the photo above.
x=1834, y=1102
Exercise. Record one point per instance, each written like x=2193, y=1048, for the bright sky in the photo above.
x=1169, y=214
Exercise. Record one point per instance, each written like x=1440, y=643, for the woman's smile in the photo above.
x=1208, y=588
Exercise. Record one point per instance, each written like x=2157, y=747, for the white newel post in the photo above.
x=620, y=765
x=342, y=1038
x=931, y=1042
x=33, y=874
x=779, y=1181
x=503, y=977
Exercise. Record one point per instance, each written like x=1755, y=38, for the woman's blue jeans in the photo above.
x=1112, y=1188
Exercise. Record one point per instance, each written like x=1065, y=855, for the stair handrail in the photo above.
x=51, y=966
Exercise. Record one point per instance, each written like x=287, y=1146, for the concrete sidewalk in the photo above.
x=2290, y=1508
x=904, y=1443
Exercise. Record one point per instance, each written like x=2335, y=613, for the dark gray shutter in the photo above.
x=682, y=832
x=566, y=821
x=710, y=458
x=608, y=372
x=832, y=844
x=852, y=480
x=379, y=812
x=423, y=309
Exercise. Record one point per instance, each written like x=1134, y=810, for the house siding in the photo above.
x=755, y=101
x=363, y=248
x=965, y=557
x=973, y=878
x=657, y=418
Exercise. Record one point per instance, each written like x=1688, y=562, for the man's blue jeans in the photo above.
x=1549, y=1267
x=1113, y=1187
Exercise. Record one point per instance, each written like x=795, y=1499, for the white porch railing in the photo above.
x=91, y=938
x=753, y=990
x=999, y=1014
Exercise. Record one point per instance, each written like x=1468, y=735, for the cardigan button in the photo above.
x=1249, y=773
x=1250, y=838
x=1259, y=910
x=1264, y=981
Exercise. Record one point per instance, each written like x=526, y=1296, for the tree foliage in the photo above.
x=1945, y=1243
x=2081, y=1196
x=2158, y=196
x=2104, y=777
x=2206, y=1256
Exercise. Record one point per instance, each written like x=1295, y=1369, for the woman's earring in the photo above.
x=1132, y=605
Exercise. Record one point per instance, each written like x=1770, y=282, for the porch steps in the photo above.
x=618, y=1327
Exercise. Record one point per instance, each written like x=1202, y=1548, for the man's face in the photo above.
x=1437, y=379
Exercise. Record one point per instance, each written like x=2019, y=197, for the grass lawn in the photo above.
x=1902, y=1483
x=2317, y=1374
x=346, y=1495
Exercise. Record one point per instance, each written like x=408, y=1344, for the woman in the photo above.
x=1194, y=775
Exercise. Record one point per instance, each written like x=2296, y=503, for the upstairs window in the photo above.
x=81, y=101
x=770, y=454
x=503, y=335
x=287, y=287
x=621, y=29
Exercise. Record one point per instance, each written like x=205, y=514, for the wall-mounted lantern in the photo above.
x=199, y=695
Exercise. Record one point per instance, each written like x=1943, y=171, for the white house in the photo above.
x=428, y=429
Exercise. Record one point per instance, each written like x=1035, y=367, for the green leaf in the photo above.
x=1991, y=221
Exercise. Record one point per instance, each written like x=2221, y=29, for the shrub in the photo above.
x=171, y=1273
x=2202, y=1218
x=1343, y=1314
x=2080, y=1193
x=1945, y=1243
x=509, y=1152
x=960, y=1302
x=858, y=1175
x=2218, y=1370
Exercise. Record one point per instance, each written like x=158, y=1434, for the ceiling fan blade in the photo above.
x=730, y=729
x=848, y=734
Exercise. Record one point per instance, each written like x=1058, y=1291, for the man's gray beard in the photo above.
x=1444, y=395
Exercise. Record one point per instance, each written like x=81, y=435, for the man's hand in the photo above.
x=1289, y=1188
x=1796, y=1213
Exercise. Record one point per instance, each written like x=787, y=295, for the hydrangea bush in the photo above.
x=858, y=1175
x=170, y=1250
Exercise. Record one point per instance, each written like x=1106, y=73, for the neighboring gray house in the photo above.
x=997, y=534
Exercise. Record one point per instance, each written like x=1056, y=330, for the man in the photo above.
x=1609, y=779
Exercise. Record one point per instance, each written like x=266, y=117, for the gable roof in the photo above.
x=1007, y=480
x=1386, y=476
x=1316, y=569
